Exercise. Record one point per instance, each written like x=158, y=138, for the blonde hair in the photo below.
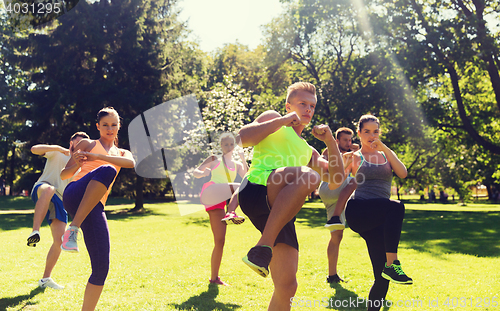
x=226, y=135
x=299, y=86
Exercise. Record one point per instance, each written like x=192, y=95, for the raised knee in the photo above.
x=312, y=180
x=49, y=190
x=108, y=169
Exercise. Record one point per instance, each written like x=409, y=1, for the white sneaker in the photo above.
x=49, y=282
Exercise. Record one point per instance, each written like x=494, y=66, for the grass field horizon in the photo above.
x=161, y=261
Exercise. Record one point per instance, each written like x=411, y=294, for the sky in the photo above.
x=216, y=22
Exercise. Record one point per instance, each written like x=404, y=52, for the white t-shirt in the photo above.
x=51, y=175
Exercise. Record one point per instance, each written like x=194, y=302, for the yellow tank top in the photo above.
x=219, y=175
x=92, y=165
x=283, y=148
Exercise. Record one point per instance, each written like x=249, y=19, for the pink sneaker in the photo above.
x=232, y=218
x=218, y=281
x=69, y=239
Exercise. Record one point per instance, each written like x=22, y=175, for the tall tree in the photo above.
x=130, y=54
x=450, y=42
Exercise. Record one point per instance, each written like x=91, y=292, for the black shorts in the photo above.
x=253, y=202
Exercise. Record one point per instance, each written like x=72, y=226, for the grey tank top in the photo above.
x=374, y=180
x=328, y=196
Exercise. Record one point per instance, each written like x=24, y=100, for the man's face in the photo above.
x=344, y=142
x=304, y=104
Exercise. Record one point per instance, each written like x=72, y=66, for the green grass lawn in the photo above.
x=161, y=261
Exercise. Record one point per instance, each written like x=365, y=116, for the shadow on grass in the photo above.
x=14, y=221
x=206, y=301
x=199, y=221
x=8, y=203
x=312, y=217
x=21, y=299
x=439, y=232
x=347, y=300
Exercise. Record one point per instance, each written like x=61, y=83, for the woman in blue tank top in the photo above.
x=372, y=213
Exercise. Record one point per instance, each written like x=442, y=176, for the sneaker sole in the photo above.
x=32, y=240
x=233, y=220
x=238, y=220
x=69, y=250
x=259, y=270
x=387, y=277
x=335, y=227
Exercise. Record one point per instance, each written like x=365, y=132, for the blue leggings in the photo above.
x=95, y=226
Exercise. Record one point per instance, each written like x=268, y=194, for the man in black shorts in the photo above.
x=284, y=171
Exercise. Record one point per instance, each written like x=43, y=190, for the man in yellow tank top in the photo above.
x=285, y=169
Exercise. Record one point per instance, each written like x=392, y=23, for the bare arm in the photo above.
x=125, y=159
x=205, y=167
x=397, y=166
x=331, y=171
x=76, y=161
x=243, y=168
x=265, y=124
x=43, y=149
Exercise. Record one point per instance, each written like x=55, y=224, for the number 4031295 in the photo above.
x=39, y=8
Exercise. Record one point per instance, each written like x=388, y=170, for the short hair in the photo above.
x=343, y=130
x=79, y=134
x=367, y=118
x=300, y=86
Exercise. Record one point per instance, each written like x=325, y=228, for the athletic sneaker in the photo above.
x=69, y=239
x=395, y=273
x=334, y=279
x=232, y=218
x=218, y=281
x=34, y=238
x=334, y=224
x=49, y=282
x=258, y=259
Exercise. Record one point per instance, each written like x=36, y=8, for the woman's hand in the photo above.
x=378, y=145
x=206, y=172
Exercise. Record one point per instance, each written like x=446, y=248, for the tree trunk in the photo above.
x=12, y=166
x=5, y=161
x=139, y=194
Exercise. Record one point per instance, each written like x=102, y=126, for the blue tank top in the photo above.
x=374, y=180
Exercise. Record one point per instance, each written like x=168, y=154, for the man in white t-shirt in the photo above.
x=47, y=195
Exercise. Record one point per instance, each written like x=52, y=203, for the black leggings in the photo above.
x=378, y=222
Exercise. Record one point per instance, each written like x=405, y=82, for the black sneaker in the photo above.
x=258, y=259
x=334, y=224
x=395, y=274
x=34, y=238
x=334, y=279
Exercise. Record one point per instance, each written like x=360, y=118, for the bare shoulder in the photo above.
x=85, y=144
x=267, y=116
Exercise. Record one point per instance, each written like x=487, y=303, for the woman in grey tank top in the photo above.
x=372, y=213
